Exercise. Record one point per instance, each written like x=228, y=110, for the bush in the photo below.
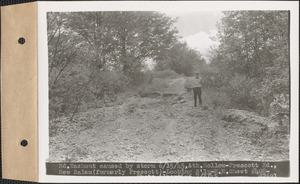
x=157, y=86
x=212, y=78
x=216, y=98
x=239, y=92
x=105, y=87
x=110, y=82
x=137, y=77
x=165, y=74
x=279, y=111
x=279, y=104
x=272, y=91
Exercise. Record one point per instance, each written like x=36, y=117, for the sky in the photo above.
x=197, y=28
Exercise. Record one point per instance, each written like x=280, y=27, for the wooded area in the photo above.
x=97, y=55
x=252, y=60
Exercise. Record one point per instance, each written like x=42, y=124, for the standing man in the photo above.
x=197, y=84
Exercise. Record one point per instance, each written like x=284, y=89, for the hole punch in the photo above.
x=24, y=143
x=21, y=40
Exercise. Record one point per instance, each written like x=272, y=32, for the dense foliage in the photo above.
x=252, y=59
x=93, y=56
x=182, y=60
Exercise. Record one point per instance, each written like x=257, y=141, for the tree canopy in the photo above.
x=254, y=47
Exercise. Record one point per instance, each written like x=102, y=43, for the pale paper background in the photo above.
x=44, y=7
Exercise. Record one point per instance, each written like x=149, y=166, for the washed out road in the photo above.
x=160, y=129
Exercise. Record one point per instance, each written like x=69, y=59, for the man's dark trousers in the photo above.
x=197, y=92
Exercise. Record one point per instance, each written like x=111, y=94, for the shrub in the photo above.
x=165, y=74
x=158, y=85
x=279, y=111
x=136, y=77
x=108, y=83
x=105, y=87
x=216, y=98
x=279, y=104
x=212, y=78
x=239, y=92
x=272, y=91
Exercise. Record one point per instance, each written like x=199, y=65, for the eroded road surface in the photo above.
x=158, y=129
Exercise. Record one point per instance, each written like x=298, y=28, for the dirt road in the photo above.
x=165, y=128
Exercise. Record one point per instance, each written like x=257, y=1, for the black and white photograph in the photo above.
x=150, y=86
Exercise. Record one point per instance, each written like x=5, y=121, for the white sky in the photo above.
x=197, y=28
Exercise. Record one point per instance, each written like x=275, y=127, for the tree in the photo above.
x=62, y=55
x=182, y=60
x=250, y=41
x=123, y=40
x=94, y=54
x=255, y=46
